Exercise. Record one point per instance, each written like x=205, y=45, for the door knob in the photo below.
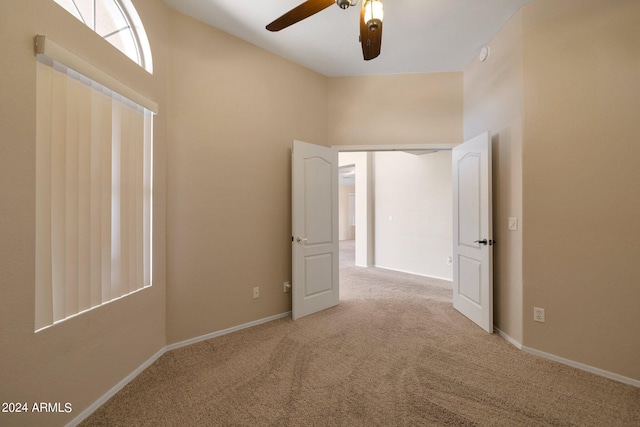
x=301, y=239
x=485, y=242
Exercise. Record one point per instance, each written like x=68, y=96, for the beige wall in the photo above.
x=234, y=110
x=493, y=101
x=398, y=109
x=560, y=94
x=413, y=212
x=345, y=230
x=80, y=359
x=581, y=181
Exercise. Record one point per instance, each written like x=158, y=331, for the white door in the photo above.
x=472, y=232
x=315, y=253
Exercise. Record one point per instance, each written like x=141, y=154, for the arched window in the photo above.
x=117, y=22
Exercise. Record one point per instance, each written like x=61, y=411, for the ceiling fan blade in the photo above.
x=297, y=14
x=371, y=40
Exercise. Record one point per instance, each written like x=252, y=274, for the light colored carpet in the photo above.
x=393, y=353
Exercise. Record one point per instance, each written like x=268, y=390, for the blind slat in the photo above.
x=58, y=192
x=95, y=194
x=43, y=305
x=84, y=196
x=106, y=196
x=148, y=190
x=72, y=185
x=116, y=201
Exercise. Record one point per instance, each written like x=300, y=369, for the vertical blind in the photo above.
x=93, y=195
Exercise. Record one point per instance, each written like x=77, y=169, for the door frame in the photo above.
x=394, y=147
x=367, y=259
x=415, y=148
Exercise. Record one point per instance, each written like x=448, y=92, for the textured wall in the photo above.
x=234, y=110
x=398, y=109
x=493, y=102
x=581, y=181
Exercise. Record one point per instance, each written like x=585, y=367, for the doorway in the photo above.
x=315, y=250
x=402, y=215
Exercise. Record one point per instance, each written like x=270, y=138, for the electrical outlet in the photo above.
x=256, y=292
x=449, y=260
x=287, y=287
x=538, y=314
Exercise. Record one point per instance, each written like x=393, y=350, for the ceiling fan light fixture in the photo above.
x=373, y=14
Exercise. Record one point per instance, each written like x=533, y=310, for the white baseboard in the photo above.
x=226, y=331
x=584, y=367
x=413, y=272
x=513, y=342
x=364, y=265
x=108, y=395
x=569, y=362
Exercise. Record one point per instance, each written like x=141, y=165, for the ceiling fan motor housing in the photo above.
x=374, y=24
x=343, y=3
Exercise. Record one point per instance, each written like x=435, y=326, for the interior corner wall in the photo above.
x=79, y=360
x=346, y=231
x=234, y=110
x=413, y=212
x=493, y=101
x=365, y=220
x=581, y=181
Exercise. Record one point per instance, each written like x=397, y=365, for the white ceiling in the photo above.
x=419, y=36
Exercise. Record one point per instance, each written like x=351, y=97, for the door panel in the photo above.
x=469, y=274
x=318, y=274
x=314, y=249
x=318, y=193
x=469, y=198
x=472, y=231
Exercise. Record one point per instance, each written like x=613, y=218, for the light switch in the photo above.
x=513, y=223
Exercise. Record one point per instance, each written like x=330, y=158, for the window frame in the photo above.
x=135, y=28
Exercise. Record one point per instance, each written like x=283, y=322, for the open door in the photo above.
x=472, y=231
x=315, y=255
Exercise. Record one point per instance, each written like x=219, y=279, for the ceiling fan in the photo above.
x=370, y=21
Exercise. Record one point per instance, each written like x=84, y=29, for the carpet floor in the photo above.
x=393, y=353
